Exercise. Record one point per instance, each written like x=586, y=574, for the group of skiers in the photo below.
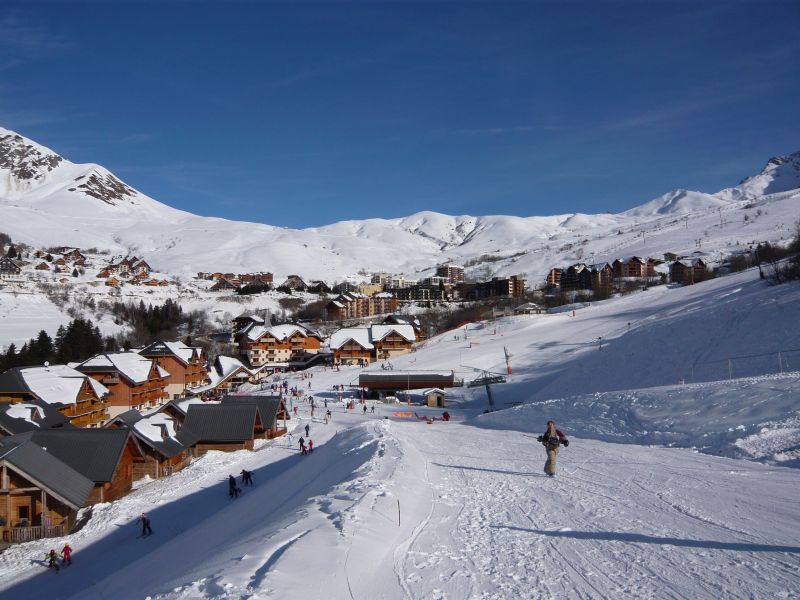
x=52, y=558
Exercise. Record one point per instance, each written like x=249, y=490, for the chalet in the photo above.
x=113, y=282
x=162, y=453
x=27, y=416
x=9, y=269
x=260, y=345
x=72, y=255
x=353, y=345
x=262, y=278
x=133, y=380
x=576, y=277
x=80, y=399
x=688, y=271
x=419, y=332
x=319, y=287
x=295, y=283
x=226, y=427
x=185, y=365
x=177, y=408
x=225, y=375
x=60, y=262
x=602, y=275
x=271, y=410
x=103, y=456
x=140, y=267
x=634, y=267
x=42, y=266
x=40, y=496
x=224, y=285
x=243, y=322
x=355, y=305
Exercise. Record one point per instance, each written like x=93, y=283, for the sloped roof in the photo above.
x=130, y=364
x=279, y=332
x=48, y=472
x=30, y=416
x=360, y=335
x=218, y=423
x=378, y=332
x=268, y=406
x=54, y=384
x=94, y=453
x=179, y=350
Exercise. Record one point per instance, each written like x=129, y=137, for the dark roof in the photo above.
x=167, y=447
x=156, y=349
x=52, y=418
x=129, y=417
x=49, y=473
x=13, y=381
x=218, y=423
x=94, y=453
x=268, y=406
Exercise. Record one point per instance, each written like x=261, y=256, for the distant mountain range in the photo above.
x=46, y=200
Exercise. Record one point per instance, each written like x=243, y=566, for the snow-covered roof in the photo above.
x=23, y=410
x=133, y=366
x=360, y=335
x=279, y=332
x=58, y=384
x=378, y=332
x=151, y=427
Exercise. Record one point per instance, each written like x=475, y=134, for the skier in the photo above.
x=52, y=560
x=66, y=553
x=233, y=491
x=303, y=446
x=551, y=440
x=310, y=445
x=145, y=521
x=365, y=410
x=307, y=429
x=372, y=409
x=247, y=477
x=329, y=414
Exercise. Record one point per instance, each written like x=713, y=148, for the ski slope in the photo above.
x=673, y=491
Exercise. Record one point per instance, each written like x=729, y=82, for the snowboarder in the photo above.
x=145, y=521
x=551, y=440
x=66, y=554
x=52, y=560
x=233, y=490
x=310, y=445
x=307, y=429
x=303, y=446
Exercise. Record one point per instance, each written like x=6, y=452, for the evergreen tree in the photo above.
x=12, y=252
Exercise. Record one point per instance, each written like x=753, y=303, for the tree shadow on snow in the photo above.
x=639, y=538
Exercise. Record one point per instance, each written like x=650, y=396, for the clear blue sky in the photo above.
x=302, y=114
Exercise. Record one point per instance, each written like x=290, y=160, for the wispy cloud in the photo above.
x=22, y=40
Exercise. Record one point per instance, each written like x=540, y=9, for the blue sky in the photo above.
x=301, y=114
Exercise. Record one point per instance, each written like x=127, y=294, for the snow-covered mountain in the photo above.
x=46, y=200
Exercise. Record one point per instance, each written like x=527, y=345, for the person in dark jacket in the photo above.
x=552, y=440
x=233, y=491
x=145, y=521
x=303, y=446
x=52, y=560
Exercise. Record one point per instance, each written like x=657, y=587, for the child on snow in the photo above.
x=66, y=554
x=52, y=560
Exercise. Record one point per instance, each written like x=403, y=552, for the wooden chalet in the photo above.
x=103, y=456
x=42, y=266
x=576, y=277
x=226, y=427
x=419, y=332
x=113, y=282
x=133, y=380
x=295, y=283
x=261, y=345
x=186, y=366
x=318, y=286
x=529, y=308
x=77, y=397
x=353, y=345
x=9, y=269
x=391, y=340
x=27, y=416
x=40, y=496
x=224, y=285
x=162, y=454
x=272, y=413
x=602, y=278
x=225, y=375
x=634, y=267
x=688, y=272
x=73, y=255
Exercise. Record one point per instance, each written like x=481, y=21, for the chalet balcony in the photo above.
x=18, y=534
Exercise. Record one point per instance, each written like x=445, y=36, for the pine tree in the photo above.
x=12, y=252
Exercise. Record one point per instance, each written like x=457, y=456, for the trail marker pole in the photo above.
x=398, y=512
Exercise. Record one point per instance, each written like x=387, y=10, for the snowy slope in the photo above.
x=477, y=519
x=46, y=200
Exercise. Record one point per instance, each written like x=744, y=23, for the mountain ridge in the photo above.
x=93, y=207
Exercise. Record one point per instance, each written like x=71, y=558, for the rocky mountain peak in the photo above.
x=26, y=162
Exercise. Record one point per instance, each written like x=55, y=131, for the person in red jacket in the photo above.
x=310, y=445
x=551, y=440
x=66, y=553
